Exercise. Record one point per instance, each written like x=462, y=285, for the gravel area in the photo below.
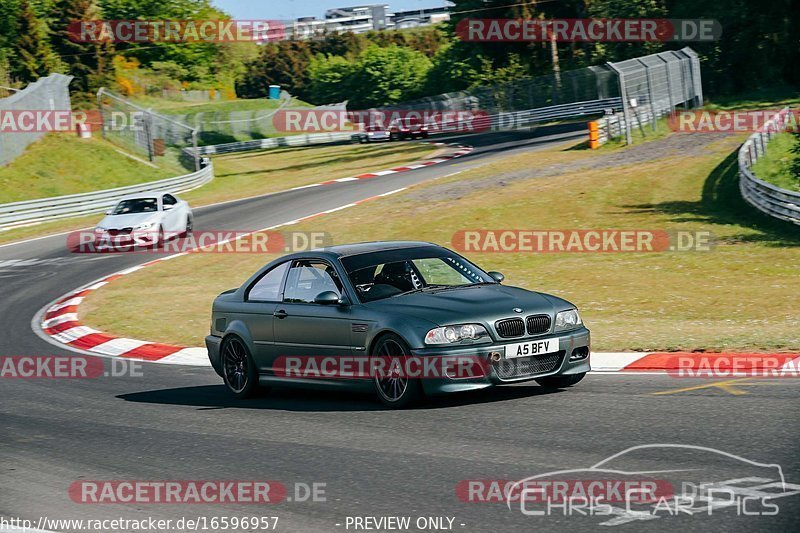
x=683, y=144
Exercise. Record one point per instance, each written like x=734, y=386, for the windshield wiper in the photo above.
x=422, y=289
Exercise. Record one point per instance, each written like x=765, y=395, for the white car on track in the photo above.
x=145, y=219
x=373, y=134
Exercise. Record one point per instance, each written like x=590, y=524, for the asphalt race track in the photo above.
x=178, y=423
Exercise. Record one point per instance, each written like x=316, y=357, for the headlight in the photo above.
x=146, y=225
x=568, y=320
x=457, y=333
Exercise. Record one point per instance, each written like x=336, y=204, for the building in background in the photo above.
x=419, y=17
x=361, y=19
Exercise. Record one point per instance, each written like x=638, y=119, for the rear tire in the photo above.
x=560, y=382
x=238, y=369
x=395, y=392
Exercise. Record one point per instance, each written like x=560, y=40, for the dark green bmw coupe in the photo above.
x=404, y=319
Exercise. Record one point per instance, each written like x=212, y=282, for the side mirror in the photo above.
x=327, y=298
x=497, y=276
x=109, y=211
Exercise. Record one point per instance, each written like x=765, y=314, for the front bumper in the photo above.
x=511, y=370
x=105, y=241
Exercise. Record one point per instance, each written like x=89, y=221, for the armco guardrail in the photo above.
x=499, y=122
x=276, y=142
x=765, y=197
x=46, y=209
x=531, y=117
x=615, y=125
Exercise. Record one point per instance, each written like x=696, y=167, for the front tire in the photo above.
x=395, y=391
x=238, y=369
x=189, y=227
x=159, y=242
x=560, y=382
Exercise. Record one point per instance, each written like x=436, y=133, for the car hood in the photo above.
x=482, y=303
x=129, y=220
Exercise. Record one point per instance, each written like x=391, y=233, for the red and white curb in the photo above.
x=60, y=322
x=461, y=150
x=697, y=363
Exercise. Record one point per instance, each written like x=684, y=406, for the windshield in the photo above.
x=386, y=274
x=136, y=205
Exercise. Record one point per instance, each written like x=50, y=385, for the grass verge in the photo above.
x=61, y=164
x=237, y=175
x=737, y=297
x=250, y=173
x=767, y=98
x=173, y=107
x=776, y=166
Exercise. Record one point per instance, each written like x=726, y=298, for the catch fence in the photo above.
x=46, y=94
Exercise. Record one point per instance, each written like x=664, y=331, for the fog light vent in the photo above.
x=579, y=353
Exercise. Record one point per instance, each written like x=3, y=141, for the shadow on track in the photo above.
x=207, y=397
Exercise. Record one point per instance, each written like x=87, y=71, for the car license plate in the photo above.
x=527, y=349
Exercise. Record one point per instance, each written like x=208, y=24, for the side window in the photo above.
x=309, y=278
x=169, y=200
x=268, y=288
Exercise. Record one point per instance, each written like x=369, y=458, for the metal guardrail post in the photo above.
x=100, y=112
x=194, y=151
x=694, y=63
x=625, y=104
x=672, y=103
x=650, y=94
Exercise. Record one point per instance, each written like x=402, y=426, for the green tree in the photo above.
x=205, y=62
x=32, y=54
x=331, y=79
x=387, y=76
x=87, y=62
x=285, y=63
x=9, y=15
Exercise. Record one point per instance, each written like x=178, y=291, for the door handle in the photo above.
x=280, y=313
